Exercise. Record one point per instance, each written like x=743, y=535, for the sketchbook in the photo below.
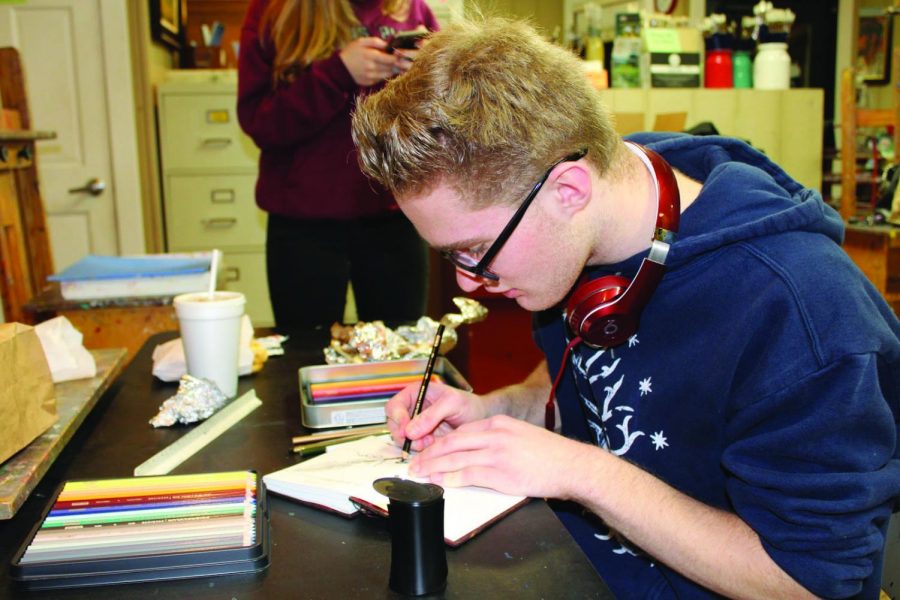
x=340, y=481
x=108, y=531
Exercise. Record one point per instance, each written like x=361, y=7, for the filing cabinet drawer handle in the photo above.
x=219, y=142
x=224, y=196
x=219, y=223
x=232, y=274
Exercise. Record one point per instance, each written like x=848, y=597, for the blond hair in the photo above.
x=486, y=108
x=304, y=31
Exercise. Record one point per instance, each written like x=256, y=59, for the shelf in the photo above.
x=838, y=178
x=19, y=135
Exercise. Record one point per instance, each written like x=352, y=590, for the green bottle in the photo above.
x=743, y=69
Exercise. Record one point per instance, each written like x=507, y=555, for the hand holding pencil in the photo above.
x=423, y=387
x=444, y=408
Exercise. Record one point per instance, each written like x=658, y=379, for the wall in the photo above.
x=123, y=126
x=547, y=15
x=151, y=62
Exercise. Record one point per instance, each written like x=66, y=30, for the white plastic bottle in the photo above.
x=772, y=67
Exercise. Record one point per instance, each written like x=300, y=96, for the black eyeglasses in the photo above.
x=464, y=260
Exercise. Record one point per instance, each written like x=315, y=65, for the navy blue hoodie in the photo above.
x=764, y=380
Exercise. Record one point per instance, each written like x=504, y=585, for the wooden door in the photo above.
x=61, y=48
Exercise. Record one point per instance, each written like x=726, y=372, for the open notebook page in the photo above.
x=348, y=470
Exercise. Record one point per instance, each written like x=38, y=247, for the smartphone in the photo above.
x=405, y=40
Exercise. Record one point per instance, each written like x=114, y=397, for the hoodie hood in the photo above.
x=761, y=199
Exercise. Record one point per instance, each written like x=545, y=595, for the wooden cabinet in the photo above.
x=209, y=170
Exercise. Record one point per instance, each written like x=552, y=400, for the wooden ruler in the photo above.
x=190, y=443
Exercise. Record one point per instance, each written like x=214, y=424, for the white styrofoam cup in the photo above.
x=211, y=333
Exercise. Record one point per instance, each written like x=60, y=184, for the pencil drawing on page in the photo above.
x=353, y=463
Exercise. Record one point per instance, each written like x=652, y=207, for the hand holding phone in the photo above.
x=405, y=40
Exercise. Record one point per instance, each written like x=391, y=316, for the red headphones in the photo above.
x=605, y=312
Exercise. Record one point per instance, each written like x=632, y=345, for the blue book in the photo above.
x=124, y=267
x=95, y=277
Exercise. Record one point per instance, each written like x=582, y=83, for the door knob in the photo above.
x=94, y=187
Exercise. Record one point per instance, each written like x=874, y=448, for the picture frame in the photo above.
x=167, y=20
x=873, y=49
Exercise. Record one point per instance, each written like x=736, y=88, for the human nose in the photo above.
x=468, y=282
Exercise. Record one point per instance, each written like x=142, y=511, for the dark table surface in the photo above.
x=314, y=554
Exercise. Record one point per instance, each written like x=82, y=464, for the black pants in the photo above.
x=309, y=263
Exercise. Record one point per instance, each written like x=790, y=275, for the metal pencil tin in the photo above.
x=346, y=413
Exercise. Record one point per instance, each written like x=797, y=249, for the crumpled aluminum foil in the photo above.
x=470, y=311
x=195, y=400
x=374, y=341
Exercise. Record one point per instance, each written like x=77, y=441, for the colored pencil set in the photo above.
x=140, y=528
x=363, y=389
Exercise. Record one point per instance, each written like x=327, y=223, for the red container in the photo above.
x=719, y=70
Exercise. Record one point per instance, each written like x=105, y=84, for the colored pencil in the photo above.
x=327, y=435
x=147, y=516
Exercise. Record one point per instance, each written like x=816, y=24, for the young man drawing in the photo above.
x=729, y=403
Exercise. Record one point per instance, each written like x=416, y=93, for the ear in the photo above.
x=572, y=187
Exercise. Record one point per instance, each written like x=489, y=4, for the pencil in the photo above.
x=307, y=450
x=329, y=435
x=426, y=377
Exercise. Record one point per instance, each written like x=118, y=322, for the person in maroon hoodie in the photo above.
x=302, y=66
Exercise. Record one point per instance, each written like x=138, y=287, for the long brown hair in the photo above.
x=307, y=30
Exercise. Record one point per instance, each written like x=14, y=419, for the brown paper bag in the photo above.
x=27, y=395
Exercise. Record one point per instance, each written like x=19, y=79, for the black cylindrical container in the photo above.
x=416, y=520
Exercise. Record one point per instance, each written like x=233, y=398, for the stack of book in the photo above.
x=97, y=277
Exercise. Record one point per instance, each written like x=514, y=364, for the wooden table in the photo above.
x=74, y=401
x=315, y=554
x=876, y=251
x=107, y=322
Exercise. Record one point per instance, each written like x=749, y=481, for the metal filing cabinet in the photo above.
x=209, y=170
